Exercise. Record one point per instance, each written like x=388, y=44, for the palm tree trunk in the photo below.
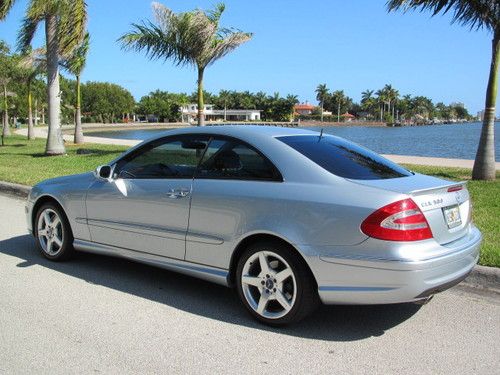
x=36, y=112
x=55, y=143
x=338, y=111
x=322, y=110
x=201, y=105
x=78, y=114
x=6, y=129
x=484, y=164
x=31, y=131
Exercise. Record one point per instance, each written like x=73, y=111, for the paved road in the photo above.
x=102, y=315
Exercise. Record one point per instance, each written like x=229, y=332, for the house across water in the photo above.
x=189, y=114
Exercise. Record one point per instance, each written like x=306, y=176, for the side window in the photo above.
x=231, y=159
x=172, y=158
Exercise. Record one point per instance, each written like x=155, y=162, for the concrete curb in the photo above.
x=485, y=278
x=481, y=277
x=20, y=191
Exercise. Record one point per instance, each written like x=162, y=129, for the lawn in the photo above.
x=22, y=161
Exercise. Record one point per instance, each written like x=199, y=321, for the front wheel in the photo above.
x=53, y=233
x=275, y=285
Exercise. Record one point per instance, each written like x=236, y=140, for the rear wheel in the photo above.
x=274, y=284
x=53, y=233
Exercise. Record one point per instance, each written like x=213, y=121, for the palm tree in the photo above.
x=339, y=99
x=321, y=95
x=191, y=38
x=6, y=70
x=224, y=97
x=381, y=101
x=366, y=95
x=75, y=65
x=368, y=102
x=477, y=14
x=64, y=29
x=33, y=63
x=392, y=96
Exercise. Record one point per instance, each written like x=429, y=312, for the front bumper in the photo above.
x=364, y=280
x=28, y=211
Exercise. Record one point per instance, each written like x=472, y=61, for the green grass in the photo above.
x=22, y=162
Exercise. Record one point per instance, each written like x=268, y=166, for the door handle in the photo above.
x=178, y=193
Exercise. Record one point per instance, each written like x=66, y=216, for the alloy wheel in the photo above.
x=269, y=284
x=50, y=232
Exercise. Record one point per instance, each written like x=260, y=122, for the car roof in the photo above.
x=292, y=165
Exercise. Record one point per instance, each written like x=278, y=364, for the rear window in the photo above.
x=344, y=158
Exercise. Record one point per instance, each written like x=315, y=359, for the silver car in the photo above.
x=288, y=217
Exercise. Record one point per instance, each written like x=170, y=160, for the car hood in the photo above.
x=66, y=180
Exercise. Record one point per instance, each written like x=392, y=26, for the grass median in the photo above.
x=23, y=162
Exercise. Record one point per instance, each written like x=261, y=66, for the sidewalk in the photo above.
x=405, y=159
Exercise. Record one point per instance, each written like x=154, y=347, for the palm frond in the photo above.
x=223, y=46
x=26, y=33
x=34, y=15
x=162, y=14
x=474, y=13
x=215, y=14
x=153, y=41
x=72, y=25
x=4, y=48
x=189, y=38
x=34, y=61
x=5, y=6
x=76, y=62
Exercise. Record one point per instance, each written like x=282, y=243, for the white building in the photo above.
x=189, y=113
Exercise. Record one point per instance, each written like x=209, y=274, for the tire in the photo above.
x=53, y=234
x=270, y=295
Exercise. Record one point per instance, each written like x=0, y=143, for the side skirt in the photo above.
x=212, y=274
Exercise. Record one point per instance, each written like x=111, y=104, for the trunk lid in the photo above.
x=445, y=204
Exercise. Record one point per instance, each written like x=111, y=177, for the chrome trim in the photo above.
x=139, y=228
x=200, y=271
x=81, y=220
x=204, y=238
x=355, y=288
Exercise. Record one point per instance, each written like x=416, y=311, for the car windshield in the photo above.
x=344, y=158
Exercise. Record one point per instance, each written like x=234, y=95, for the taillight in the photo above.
x=398, y=221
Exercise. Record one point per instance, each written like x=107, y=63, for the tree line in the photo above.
x=385, y=105
x=24, y=93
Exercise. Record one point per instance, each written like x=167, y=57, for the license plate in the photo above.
x=452, y=216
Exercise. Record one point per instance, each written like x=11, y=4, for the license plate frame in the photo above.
x=452, y=216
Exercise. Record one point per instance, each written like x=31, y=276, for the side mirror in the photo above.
x=104, y=172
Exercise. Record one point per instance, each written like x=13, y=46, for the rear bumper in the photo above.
x=368, y=281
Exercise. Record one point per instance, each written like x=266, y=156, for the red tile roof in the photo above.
x=303, y=107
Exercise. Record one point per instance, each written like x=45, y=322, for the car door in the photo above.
x=234, y=190
x=145, y=206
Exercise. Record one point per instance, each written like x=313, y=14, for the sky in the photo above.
x=349, y=45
